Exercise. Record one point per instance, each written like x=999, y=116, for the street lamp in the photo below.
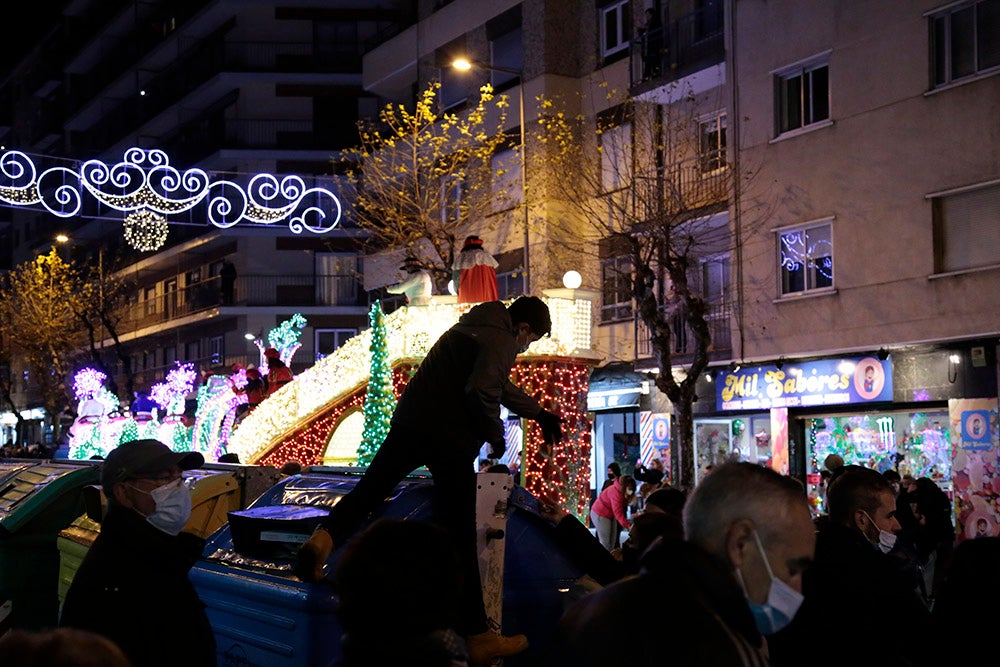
x=464, y=65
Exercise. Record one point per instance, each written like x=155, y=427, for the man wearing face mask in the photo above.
x=735, y=579
x=856, y=585
x=133, y=586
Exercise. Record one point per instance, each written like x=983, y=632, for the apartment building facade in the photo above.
x=234, y=89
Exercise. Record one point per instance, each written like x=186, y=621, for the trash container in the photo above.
x=38, y=498
x=263, y=615
x=217, y=489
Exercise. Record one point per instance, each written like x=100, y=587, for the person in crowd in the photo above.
x=291, y=468
x=62, y=647
x=894, y=479
x=960, y=626
x=735, y=577
x=609, y=512
x=386, y=558
x=474, y=273
x=133, y=584
x=934, y=534
x=447, y=411
x=614, y=472
x=278, y=374
x=418, y=285
x=854, y=580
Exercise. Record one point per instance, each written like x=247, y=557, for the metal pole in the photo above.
x=524, y=189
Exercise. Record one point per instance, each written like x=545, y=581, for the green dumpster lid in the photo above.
x=28, y=491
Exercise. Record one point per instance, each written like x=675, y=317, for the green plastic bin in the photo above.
x=38, y=498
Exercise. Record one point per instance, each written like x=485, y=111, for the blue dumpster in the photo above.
x=38, y=498
x=264, y=616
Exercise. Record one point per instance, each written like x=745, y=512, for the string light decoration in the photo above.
x=87, y=435
x=380, y=402
x=145, y=231
x=284, y=338
x=410, y=331
x=145, y=181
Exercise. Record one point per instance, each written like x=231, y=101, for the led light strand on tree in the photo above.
x=380, y=402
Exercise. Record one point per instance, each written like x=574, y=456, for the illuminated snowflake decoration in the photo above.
x=145, y=182
x=145, y=231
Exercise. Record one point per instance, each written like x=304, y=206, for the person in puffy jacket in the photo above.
x=610, y=510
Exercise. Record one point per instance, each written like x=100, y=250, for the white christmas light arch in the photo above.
x=146, y=182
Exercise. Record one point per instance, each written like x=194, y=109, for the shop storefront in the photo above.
x=921, y=413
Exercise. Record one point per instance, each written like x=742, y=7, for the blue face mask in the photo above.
x=783, y=601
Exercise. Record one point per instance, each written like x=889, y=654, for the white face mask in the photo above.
x=782, y=604
x=173, y=507
x=886, y=538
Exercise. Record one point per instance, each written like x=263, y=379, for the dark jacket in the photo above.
x=133, y=587
x=701, y=617
x=465, y=377
x=854, y=586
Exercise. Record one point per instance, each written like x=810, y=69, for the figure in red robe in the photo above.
x=476, y=273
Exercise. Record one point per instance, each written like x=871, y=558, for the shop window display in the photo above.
x=916, y=443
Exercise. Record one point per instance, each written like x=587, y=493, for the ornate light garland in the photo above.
x=145, y=182
x=145, y=231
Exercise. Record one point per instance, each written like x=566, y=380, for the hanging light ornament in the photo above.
x=145, y=231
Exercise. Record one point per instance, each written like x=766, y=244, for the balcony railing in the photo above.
x=294, y=291
x=692, y=41
x=686, y=185
x=718, y=318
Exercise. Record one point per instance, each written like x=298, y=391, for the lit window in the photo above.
x=616, y=28
x=805, y=258
x=712, y=140
x=965, y=40
x=803, y=96
x=616, y=288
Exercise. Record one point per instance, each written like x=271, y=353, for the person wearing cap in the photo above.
x=132, y=587
x=447, y=411
x=418, y=287
x=474, y=273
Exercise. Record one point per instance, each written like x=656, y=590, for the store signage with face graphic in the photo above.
x=810, y=383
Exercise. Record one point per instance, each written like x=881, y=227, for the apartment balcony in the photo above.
x=690, y=185
x=252, y=291
x=719, y=323
x=682, y=46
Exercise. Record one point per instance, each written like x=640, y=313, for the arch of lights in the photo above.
x=146, y=187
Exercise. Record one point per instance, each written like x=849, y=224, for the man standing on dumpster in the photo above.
x=446, y=413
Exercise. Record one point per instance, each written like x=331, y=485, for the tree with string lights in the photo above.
x=38, y=306
x=424, y=178
x=380, y=402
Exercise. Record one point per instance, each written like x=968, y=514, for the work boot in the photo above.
x=312, y=556
x=486, y=647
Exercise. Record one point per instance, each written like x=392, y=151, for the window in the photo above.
x=616, y=156
x=149, y=301
x=805, y=258
x=328, y=340
x=967, y=229
x=506, y=52
x=192, y=350
x=803, y=95
x=616, y=288
x=169, y=355
x=507, y=186
x=217, y=349
x=336, y=279
x=712, y=140
x=965, y=40
x=616, y=27
x=510, y=273
x=451, y=199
